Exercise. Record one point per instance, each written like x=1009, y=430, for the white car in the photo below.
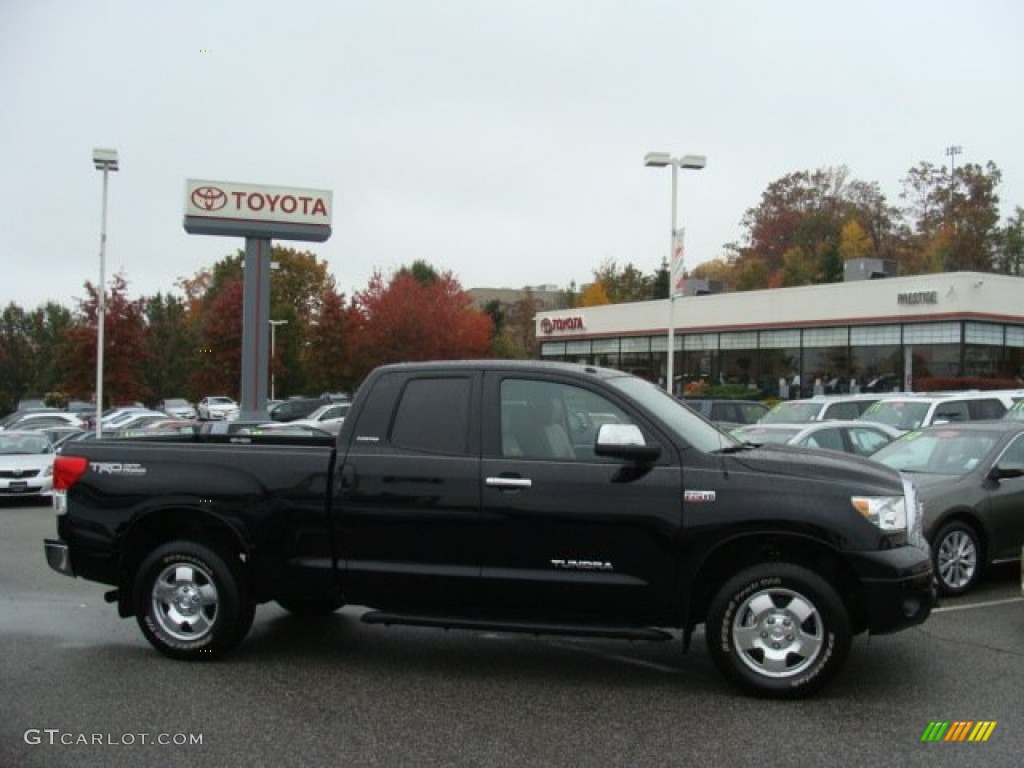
x=862, y=438
x=43, y=419
x=178, y=407
x=217, y=408
x=329, y=417
x=26, y=464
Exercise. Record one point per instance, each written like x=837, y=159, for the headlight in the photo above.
x=915, y=516
x=887, y=512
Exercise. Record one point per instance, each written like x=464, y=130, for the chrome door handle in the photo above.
x=508, y=482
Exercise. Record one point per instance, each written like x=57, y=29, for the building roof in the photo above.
x=918, y=298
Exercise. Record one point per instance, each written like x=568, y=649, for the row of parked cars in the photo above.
x=30, y=438
x=964, y=452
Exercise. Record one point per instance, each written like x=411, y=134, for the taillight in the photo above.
x=67, y=470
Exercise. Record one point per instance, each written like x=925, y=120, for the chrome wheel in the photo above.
x=184, y=601
x=956, y=559
x=778, y=633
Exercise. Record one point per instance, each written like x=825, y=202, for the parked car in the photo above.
x=295, y=408
x=12, y=417
x=851, y=436
x=820, y=408
x=26, y=464
x=725, y=412
x=909, y=411
x=970, y=478
x=218, y=407
x=250, y=428
x=328, y=417
x=130, y=416
x=178, y=407
x=42, y=419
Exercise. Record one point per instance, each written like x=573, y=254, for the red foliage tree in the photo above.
x=125, y=351
x=406, y=320
x=220, y=347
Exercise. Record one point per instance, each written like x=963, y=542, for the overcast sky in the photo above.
x=503, y=141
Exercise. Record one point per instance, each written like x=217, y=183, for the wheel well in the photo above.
x=170, y=525
x=733, y=556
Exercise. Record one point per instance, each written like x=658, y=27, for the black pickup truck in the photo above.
x=505, y=496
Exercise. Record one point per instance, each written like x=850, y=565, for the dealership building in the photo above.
x=859, y=335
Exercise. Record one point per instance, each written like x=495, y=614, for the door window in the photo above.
x=549, y=420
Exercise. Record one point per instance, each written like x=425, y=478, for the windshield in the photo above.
x=24, y=444
x=792, y=411
x=900, y=414
x=687, y=425
x=937, y=451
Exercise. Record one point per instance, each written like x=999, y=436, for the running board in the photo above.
x=527, y=627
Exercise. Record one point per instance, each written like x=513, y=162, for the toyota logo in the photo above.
x=209, y=198
x=546, y=326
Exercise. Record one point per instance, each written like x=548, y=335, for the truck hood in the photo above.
x=786, y=461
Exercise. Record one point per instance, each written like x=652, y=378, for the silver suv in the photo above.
x=910, y=411
x=820, y=408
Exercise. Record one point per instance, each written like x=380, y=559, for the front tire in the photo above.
x=778, y=630
x=191, y=602
x=957, y=553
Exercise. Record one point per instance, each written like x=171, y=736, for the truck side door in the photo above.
x=407, y=499
x=568, y=535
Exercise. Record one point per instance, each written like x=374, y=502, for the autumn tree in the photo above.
x=594, y=295
x=794, y=236
x=127, y=357
x=218, y=370
x=624, y=284
x=953, y=217
x=401, y=319
x=327, y=353
x=1009, y=257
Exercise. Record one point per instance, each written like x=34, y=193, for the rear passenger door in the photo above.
x=407, y=525
x=568, y=535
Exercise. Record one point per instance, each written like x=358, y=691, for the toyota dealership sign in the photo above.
x=247, y=210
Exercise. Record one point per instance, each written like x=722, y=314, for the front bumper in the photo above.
x=898, y=588
x=31, y=486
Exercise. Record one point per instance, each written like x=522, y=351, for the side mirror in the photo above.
x=1006, y=471
x=624, y=441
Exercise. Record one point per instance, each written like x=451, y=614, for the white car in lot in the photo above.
x=217, y=408
x=178, y=407
x=328, y=417
x=26, y=464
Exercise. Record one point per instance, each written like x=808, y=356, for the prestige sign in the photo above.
x=257, y=210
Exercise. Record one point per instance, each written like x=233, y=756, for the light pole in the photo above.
x=694, y=163
x=105, y=160
x=273, y=328
x=952, y=151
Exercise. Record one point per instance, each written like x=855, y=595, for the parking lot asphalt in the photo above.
x=81, y=687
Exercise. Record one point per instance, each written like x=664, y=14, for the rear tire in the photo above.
x=191, y=602
x=778, y=630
